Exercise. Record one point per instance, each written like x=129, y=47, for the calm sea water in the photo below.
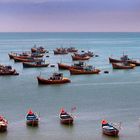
x=114, y=96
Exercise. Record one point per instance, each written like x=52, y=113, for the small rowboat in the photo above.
x=57, y=78
x=122, y=66
x=32, y=118
x=3, y=124
x=65, y=118
x=77, y=58
x=34, y=64
x=108, y=129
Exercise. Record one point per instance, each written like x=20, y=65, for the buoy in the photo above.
x=96, y=55
x=106, y=71
x=52, y=65
x=47, y=56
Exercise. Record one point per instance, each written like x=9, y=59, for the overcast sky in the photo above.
x=69, y=15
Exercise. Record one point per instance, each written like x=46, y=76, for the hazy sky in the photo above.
x=69, y=15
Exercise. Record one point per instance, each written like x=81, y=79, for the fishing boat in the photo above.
x=78, y=65
x=30, y=59
x=38, y=49
x=65, y=118
x=56, y=78
x=21, y=55
x=77, y=58
x=109, y=129
x=3, y=124
x=7, y=70
x=71, y=50
x=88, y=53
x=123, y=66
x=61, y=51
x=86, y=70
x=32, y=118
x=37, y=64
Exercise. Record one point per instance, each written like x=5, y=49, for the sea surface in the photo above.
x=114, y=96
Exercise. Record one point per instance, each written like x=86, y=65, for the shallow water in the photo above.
x=114, y=96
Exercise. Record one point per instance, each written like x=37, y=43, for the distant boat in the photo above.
x=122, y=66
x=86, y=70
x=65, y=118
x=61, y=51
x=3, y=124
x=38, y=49
x=56, y=78
x=32, y=118
x=108, y=129
x=71, y=50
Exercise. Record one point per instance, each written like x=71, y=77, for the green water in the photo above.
x=114, y=96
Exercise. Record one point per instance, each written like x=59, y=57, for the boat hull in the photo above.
x=63, y=66
x=77, y=58
x=113, y=132
x=3, y=128
x=79, y=72
x=66, y=121
x=118, y=66
x=50, y=82
x=30, y=65
x=32, y=123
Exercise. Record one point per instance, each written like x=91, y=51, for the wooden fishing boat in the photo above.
x=38, y=64
x=60, y=51
x=123, y=59
x=3, y=124
x=7, y=70
x=19, y=59
x=71, y=50
x=78, y=65
x=65, y=118
x=108, y=129
x=85, y=70
x=32, y=118
x=57, y=78
x=77, y=58
x=123, y=66
x=22, y=55
x=63, y=66
x=38, y=49
x=88, y=53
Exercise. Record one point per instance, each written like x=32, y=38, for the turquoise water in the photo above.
x=114, y=96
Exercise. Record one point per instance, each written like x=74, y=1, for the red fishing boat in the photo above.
x=30, y=59
x=7, y=70
x=38, y=64
x=56, y=78
x=108, y=129
x=60, y=51
x=38, y=49
x=65, y=118
x=71, y=50
x=88, y=53
x=78, y=65
x=123, y=66
x=3, y=124
x=32, y=118
x=85, y=70
x=22, y=55
x=77, y=58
